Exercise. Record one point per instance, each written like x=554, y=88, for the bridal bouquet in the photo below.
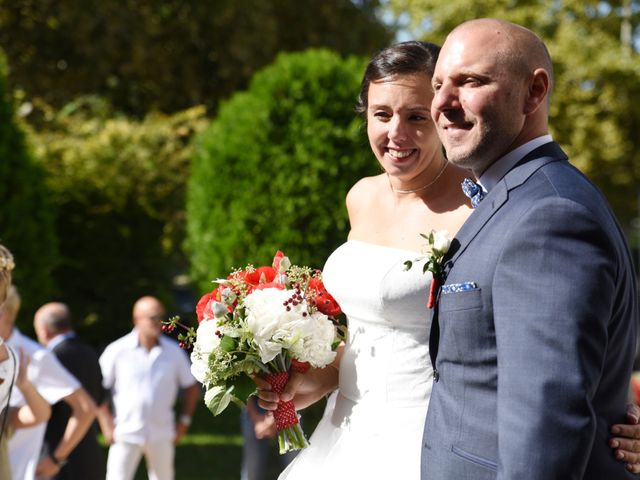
x=264, y=321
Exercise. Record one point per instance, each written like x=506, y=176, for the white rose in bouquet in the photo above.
x=316, y=333
x=269, y=320
x=206, y=342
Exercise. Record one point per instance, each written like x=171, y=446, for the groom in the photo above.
x=534, y=331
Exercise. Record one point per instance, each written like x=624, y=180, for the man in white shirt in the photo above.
x=145, y=370
x=54, y=383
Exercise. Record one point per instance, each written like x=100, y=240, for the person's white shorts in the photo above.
x=123, y=460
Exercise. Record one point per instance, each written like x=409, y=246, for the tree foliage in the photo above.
x=273, y=169
x=26, y=219
x=169, y=54
x=118, y=189
x=595, y=114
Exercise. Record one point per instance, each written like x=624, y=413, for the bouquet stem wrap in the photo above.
x=290, y=434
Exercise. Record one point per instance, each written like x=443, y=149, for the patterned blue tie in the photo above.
x=472, y=190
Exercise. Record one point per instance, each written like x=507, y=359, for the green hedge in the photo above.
x=118, y=187
x=26, y=217
x=273, y=169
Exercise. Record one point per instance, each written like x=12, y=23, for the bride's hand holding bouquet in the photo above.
x=304, y=388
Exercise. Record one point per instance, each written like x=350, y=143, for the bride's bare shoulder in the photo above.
x=365, y=191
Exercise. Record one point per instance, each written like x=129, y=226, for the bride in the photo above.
x=373, y=424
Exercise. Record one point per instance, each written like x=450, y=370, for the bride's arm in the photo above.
x=304, y=388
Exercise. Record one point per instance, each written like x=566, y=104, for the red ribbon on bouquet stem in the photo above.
x=285, y=415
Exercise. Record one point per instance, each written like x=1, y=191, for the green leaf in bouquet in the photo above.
x=243, y=388
x=217, y=398
x=342, y=333
x=248, y=366
x=228, y=344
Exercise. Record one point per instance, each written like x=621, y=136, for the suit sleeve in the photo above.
x=552, y=301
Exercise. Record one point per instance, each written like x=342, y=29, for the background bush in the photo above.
x=26, y=217
x=118, y=188
x=273, y=169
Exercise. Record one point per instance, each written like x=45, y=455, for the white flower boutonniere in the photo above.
x=438, y=244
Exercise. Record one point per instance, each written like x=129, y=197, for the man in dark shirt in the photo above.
x=53, y=326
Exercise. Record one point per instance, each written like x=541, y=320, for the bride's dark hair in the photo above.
x=405, y=58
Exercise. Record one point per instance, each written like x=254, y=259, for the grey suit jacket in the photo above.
x=533, y=362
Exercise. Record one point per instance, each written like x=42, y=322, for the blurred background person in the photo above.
x=54, y=383
x=36, y=410
x=54, y=329
x=13, y=374
x=145, y=371
x=6, y=268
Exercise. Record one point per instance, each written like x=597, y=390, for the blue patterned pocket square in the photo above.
x=458, y=287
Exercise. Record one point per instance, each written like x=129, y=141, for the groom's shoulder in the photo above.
x=564, y=181
x=559, y=190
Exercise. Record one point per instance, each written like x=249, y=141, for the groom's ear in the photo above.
x=538, y=91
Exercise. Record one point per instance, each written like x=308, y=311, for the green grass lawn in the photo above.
x=212, y=450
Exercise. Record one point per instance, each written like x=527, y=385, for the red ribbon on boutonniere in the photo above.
x=438, y=244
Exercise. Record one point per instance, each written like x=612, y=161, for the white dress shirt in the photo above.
x=53, y=382
x=144, y=386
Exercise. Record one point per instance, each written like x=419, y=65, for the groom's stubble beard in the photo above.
x=484, y=143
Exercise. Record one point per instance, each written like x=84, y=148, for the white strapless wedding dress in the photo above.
x=372, y=426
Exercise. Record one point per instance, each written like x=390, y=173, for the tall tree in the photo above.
x=271, y=172
x=169, y=54
x=26, y=217
x=594, y=112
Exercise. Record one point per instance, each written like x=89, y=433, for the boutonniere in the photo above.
x=438, y=244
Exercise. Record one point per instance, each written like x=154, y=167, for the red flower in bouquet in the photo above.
x=324, y=301
x=204, y=306
x=260, y=275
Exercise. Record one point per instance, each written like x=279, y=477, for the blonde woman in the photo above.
x=13, y=374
